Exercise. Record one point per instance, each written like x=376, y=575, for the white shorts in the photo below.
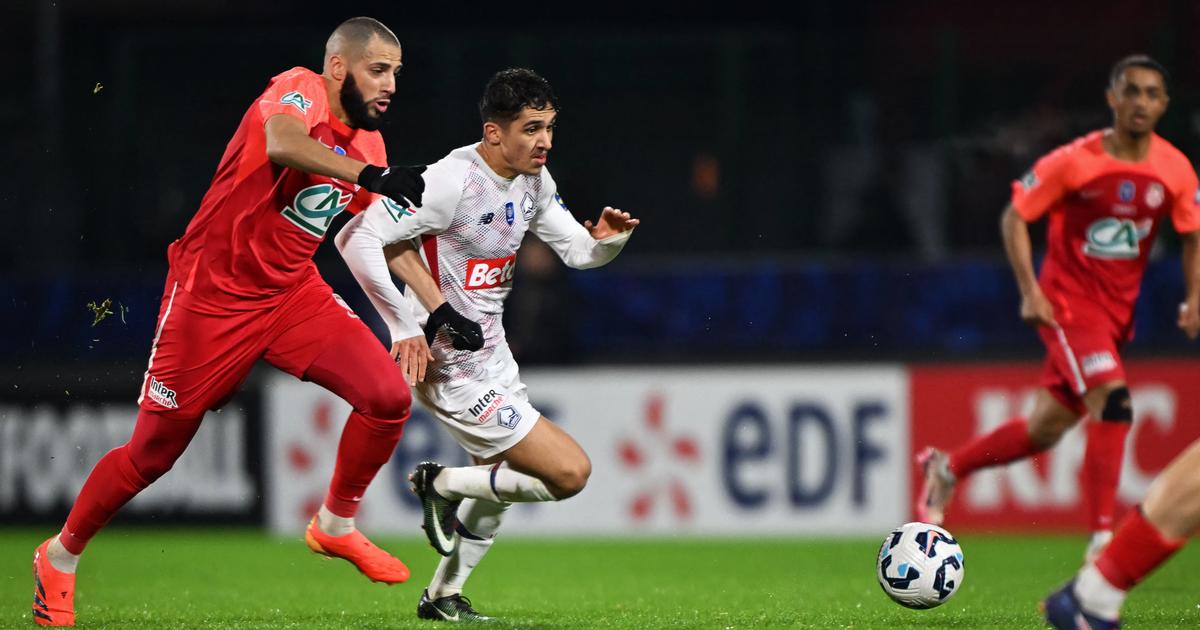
x=487, y=416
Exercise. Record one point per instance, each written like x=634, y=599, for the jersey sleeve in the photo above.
x=557, y=227
x=362, y=250
x=299, y=94
x=393, y=222
x=1185, y=213
x=1043, y=186
x=362, y=239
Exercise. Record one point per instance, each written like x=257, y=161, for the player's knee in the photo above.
x=570, y=479
x=1118, y=406
x=390, y=400
x=395, y=405
x=1044, y=438
x=149, y=466
x=153, y=469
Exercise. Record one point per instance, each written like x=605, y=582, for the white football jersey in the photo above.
x=469, y=228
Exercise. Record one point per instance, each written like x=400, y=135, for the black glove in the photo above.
x=403, y=184
x=464, y=333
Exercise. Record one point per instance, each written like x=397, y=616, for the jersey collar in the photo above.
x=503, y=182
x=340, y=127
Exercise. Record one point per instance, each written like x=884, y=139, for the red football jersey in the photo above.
x=260, y=223
x=1104, y=214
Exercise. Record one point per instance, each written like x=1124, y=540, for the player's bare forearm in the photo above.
x=406, y=264
x=1019, y=249
x=1191, y=268
x=289, y=145
x=1035, y=310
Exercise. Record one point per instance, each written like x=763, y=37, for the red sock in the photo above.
x=123, y=472
x=1102, y=470
x=366, y=445
x=1008, y=442
x=1137, y=548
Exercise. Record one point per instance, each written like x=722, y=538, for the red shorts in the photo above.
x=1078, y=359
x=202, y=351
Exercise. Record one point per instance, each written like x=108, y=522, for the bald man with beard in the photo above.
x=241, y=286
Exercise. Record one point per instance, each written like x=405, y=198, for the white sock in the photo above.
x=490, y=483
x=1097, y=596
x=482, y=519
x=333, y=524
x=60, y=558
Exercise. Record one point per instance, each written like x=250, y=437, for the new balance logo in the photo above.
x=162, y=395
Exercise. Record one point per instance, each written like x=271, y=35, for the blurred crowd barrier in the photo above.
x=691, y=310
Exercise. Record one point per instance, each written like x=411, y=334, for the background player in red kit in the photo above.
x=242, y=286
x=1105, y=195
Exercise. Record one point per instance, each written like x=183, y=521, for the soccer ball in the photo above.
x=920, y=565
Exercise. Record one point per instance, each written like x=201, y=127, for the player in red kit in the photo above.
x=242, y=286
x=1105, y=196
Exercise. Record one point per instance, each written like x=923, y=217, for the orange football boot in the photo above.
x=371, y=561
x=53, y=591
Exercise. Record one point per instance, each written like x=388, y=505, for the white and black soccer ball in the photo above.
x=920, y=565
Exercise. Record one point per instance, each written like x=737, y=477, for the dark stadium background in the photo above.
x=731, y=131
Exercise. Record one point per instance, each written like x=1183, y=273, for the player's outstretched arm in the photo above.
x=289, y=145
x=612, y=222
x=1189, y=309
x=1036, y=310
x=588, y=245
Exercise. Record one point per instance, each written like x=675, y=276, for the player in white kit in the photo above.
x=456, y=255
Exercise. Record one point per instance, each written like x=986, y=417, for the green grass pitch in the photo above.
x=237, y=578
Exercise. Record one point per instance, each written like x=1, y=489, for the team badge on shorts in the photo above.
x=508, y=417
